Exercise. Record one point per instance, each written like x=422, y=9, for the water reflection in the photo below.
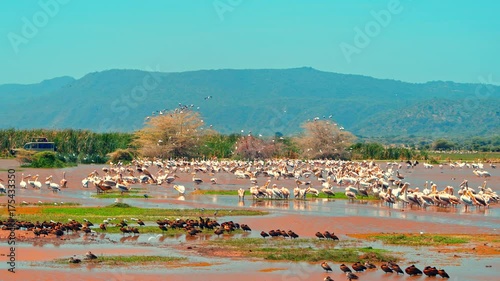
x=132, y=238
x=298, y=205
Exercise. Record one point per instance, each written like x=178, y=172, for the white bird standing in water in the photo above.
x=2, y=187
x=180, y=188
x=64, y=181
x=22, y=184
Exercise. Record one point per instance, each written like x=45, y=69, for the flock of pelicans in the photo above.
x=34, y=182
x=389, y=267
x=356, y=179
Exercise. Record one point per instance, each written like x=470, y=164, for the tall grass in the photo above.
x=420, y=240
x=122, y=211
x=81, y=146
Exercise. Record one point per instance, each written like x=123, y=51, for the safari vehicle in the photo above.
x=36, y=145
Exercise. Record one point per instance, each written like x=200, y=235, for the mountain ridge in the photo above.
x=263, y=101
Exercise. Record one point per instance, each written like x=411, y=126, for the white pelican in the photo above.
x=64, y=181
x=180, y=188
x=48, y=180
x=426, y=190
x=241, y=194
x=36, y=182
x=312, y=191
x=197, y=180
x=123, y=187
x=2, y=187
x=22, y=184
x=328, y=192
x=171, y=178
x=52, y=185
x=285, y=192
x=350, y=195
x=85, y=182
x=254, y=190
x=468, y=199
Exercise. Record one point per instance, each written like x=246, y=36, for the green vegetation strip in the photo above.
x=338, y=195
x=125, y=211
x=463, y=157
x=310, y=250
x=51, y=204
x=44, y=203
x=115, y=193
x=120, y=260
x=420, y=240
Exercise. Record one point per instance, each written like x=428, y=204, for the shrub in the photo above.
x=46, y=159
x=124, y=155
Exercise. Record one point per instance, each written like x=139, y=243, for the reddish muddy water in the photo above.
x=34, y=255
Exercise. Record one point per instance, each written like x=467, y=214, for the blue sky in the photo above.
x=421, y=41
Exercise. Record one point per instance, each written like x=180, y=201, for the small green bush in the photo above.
x=46, y=159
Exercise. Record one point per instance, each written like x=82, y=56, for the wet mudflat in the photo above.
x=36, y=255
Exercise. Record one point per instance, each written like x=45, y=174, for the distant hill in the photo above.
x=262, y=101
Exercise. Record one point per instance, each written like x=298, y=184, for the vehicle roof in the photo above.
x=39, y=139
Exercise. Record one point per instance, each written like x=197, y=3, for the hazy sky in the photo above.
x=413, y=41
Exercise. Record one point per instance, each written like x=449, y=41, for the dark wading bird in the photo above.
x=74, y=260
x=430, y=271
x=369, y=265
x=358, y=267
x=386, y=268
x=413, y=270
x=443, y=273
x=328, y=278
x=326, y=267
x=90, y=256
x=219, y=231
x=245, y=227
x=396, y=268
x=264, y=234
x=351, y=276
x=163, y=228
x=345, y=268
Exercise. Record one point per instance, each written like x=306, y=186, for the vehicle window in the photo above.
x=44, y=145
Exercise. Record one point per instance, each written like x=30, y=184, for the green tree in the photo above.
x=442, y=144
